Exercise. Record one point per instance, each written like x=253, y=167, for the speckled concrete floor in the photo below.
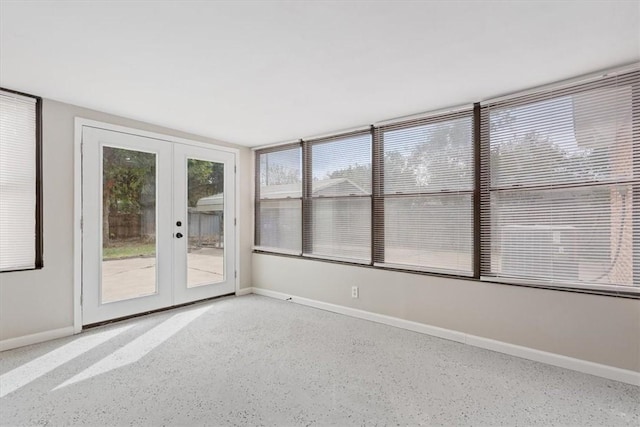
x=258, y=361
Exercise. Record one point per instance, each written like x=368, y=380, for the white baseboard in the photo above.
x=11, y=343
x=597, y=369
x=244, y=291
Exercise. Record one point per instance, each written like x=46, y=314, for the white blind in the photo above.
x=427, y=193
x=560, y=197
x=340, y=199
x=17, y=181
x=279, y=200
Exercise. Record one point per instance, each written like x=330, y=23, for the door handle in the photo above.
x=179, y=235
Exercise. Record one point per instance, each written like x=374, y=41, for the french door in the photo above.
x=158, y=224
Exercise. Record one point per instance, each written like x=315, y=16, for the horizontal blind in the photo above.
x=560, y=198
x=340, y=198
x=425, y=194
x=17, y=182
x=280, y=173
x=279, y=199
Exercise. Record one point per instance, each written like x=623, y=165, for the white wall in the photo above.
x=32, y=302
x=595, y=328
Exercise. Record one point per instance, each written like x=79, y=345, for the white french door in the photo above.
x=203, y=212
x=158, y=224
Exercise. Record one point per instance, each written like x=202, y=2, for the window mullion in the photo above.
x=477, y=174
x=635, y=123
x=307, y=190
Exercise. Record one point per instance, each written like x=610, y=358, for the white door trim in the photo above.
x=79, y=123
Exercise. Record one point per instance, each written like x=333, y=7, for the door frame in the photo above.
x=79, y=124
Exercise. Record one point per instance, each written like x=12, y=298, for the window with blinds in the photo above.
x=538, y=188
x=426, y=194
x=279, y=199
x=19, y=215
x=338, y=199
x=560, y=185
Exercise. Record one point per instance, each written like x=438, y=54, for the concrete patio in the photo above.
x=135, y=277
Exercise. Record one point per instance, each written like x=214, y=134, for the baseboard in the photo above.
x=12, y=343
x=605, y=371
x=244, y=291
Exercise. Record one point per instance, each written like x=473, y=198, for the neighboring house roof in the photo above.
x=213, y=203
x=325, y=187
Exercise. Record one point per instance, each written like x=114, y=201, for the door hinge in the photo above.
x=235, y=274
x=235, y=169
x=81, y=224
x=235, y=221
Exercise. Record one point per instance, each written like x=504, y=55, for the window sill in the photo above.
x=602, y=290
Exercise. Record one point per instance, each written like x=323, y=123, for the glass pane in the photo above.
x=17, y=182
x=342, y=167
x=281, y=174
x=342, y=227
x=205, y=222
x=427, y=158
x=584, y=137
x=570, y=235
x=128, y=224
x=280, y=224
x=430, y=231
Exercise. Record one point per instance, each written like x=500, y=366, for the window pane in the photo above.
x=205, y=222
x=435, y=232
x=280, y=224
x=281, y=174
x=342, y=167
x=571, y=235
x=342, y=228
x=431, y=157
x=559, y=206
x=128, y=224
x=583, y=137
x=17, y=182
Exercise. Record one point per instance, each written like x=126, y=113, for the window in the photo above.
x=20, y=217
x=539, y=189
x=279, y=199
x=339, y=201
x=560, y=195
x=427, y=194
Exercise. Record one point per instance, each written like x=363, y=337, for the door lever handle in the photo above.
x=179, y=235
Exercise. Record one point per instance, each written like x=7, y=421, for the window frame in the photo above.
x=481, y=173
x=551, y=92
x=469, y=112
x=38, y=248
x=258, y=199
x=308, y=198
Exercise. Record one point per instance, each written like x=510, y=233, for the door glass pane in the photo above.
x=205, y=222
x=128, y=224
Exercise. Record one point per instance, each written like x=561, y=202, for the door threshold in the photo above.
x=159, y=310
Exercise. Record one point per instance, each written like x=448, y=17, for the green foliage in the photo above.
x=129, y=250
x=204, y=179
x=129, y=179
x=278, y=174
x=445, y=157
x=560, y=165
x=129, y=184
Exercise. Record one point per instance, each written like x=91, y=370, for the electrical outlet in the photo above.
x=354, y=292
